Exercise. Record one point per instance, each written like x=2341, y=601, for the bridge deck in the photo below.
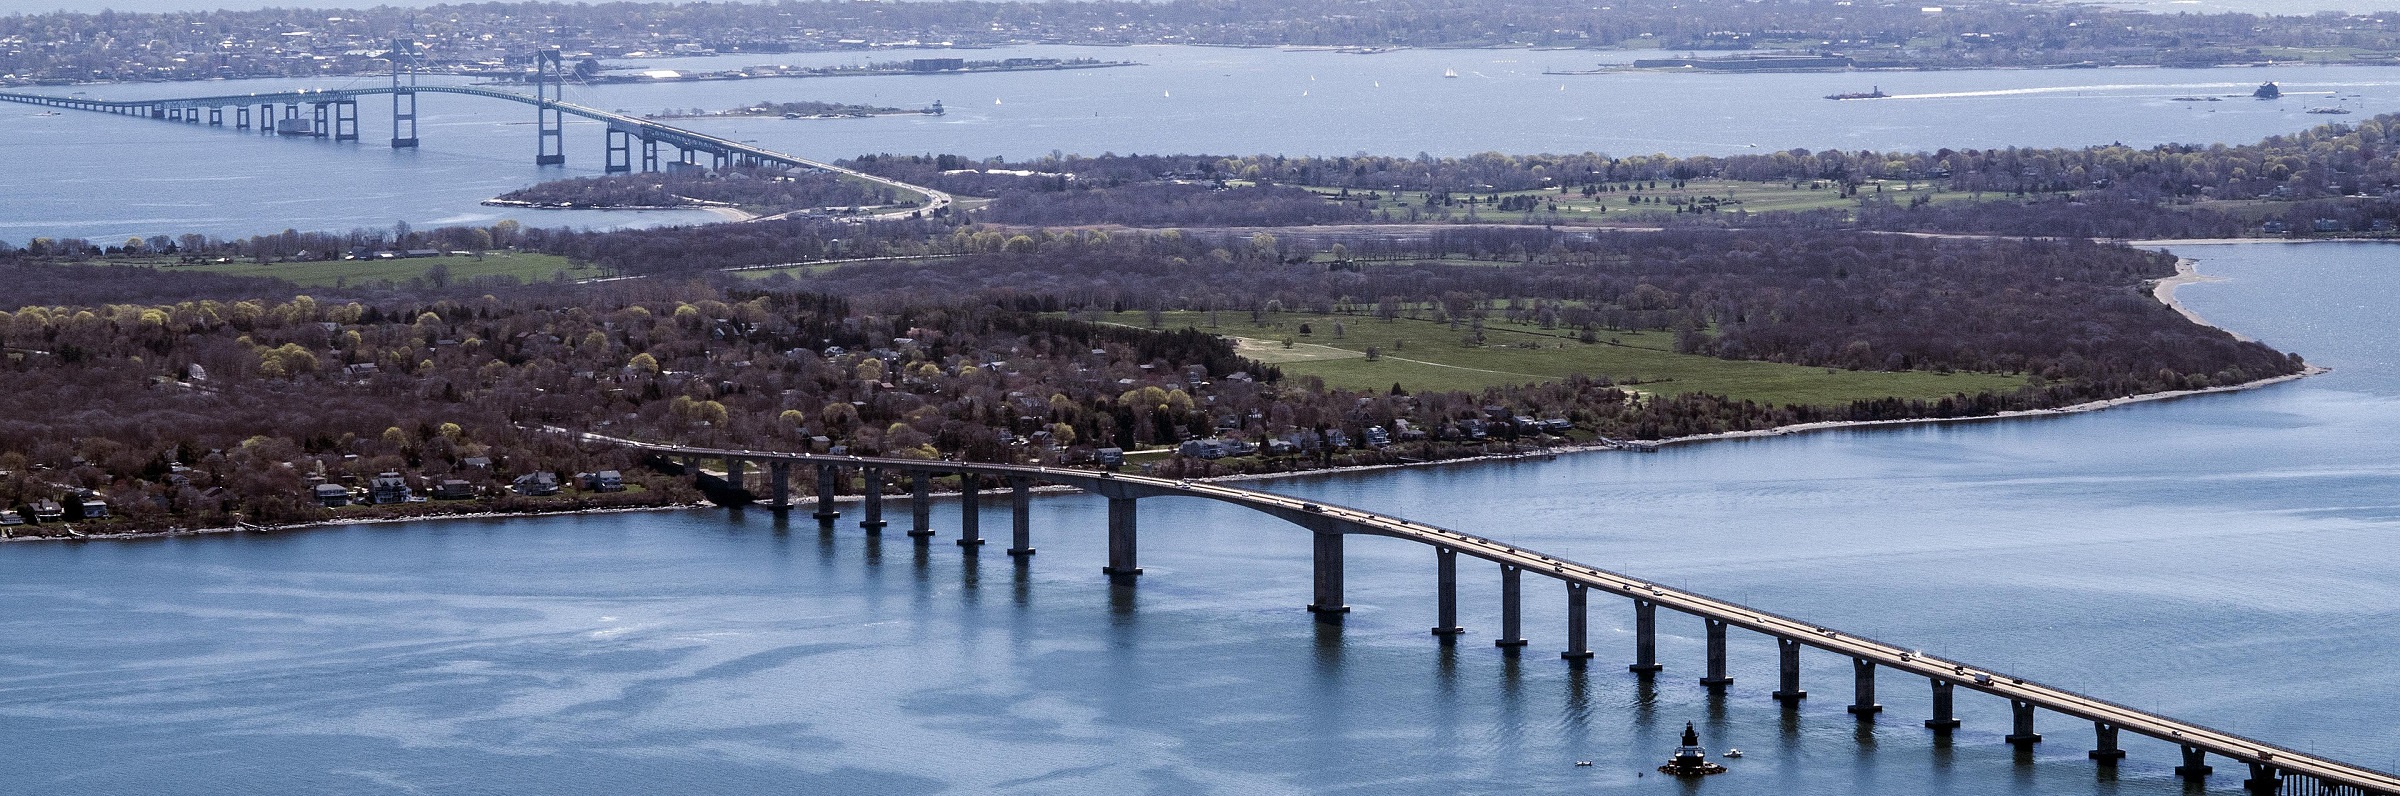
x=1891, y=656
x=644, y=128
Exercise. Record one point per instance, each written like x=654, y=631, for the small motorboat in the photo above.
x=1583, y=764
x=1733, y=753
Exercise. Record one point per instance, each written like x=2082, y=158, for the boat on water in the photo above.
x=2195, y=99
x=1877, y=93
x=56, y=113
x=1449, y=73
x=2268, y=90
x=2329, y=110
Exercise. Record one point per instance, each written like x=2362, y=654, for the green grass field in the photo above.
x=524, y=266
x=1428, y=355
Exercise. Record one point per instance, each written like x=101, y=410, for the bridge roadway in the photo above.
x=2266, y=760
x=645, y=129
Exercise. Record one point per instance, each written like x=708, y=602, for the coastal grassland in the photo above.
x=1431, y=355
x=525, y=266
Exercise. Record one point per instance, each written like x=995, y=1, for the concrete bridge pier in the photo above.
x=1862, y=704
x=1445, y=595
x=2265, y=780
x=1645, y=637
x=345, y=120
x=404, y=120
x=649, y=154
x=321, y=122
x=1788, y=649
x=1512, y=621
x=2195, y=768
x=779, y=485
x=871, y=491
x=829, y=484
x=970, y=512
x=1328, y=605
x=734, y=473
x=266, y=118
x=1716, y=677
x=620, y=152
x=1123, y=564
x=2105, y=751
x=2023, y=736
x=216, y=117
x=1577, y=648
x=1020, y=514
x=920, y=505
x=241, y=117
x=1943, y=720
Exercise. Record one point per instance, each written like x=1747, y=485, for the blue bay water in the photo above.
x=104, y=177
x=2226, y=559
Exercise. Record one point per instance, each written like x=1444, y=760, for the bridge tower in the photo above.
x=549, y=81
x=404, y=97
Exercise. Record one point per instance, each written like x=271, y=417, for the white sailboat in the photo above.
x=1449, y=73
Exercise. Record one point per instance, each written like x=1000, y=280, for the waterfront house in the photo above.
x=331, y=496
x=91, y=507
x=389, y=488
x=536, y=484
x=47, y=510
x=453, y=489
x=604, y=481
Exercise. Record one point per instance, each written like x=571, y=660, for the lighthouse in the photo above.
x=1690, y=759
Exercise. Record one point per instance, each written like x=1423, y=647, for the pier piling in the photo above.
x=1788, y=651
x=1020, y=505
x=1578, y=649
x=1645, y=637
x=1445, y=584
x=1512, y=623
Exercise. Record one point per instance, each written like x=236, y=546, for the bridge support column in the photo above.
x=1445, y=595
x=1020, y=517
x=1943, y=720
x=2265, y=780
x=719, y=159
x=1716, y=677
x=216, y=117
x=734, y=474
x=158, y=112
x=1512, y=622
x=549, y=123
x=404, y=120
x=871, y=499
x=779, y=485
x=2195, y=768
x=620, y=152
x=649, y=155
x=1862, y=703
x=970, y=512
x=920, y=505
x=1328, y=606
x=1788, y=650
x=1578, y=646
x=345, y=120
x=829, y=484
x=1645, y=636
x=2023, y=736
x=321, y=124
x=2105, y=747
x=1122, y=563
x=241, y=117
x=266, y=118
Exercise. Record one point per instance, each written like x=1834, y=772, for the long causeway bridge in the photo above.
x=333, y=113
x=2272, y=769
